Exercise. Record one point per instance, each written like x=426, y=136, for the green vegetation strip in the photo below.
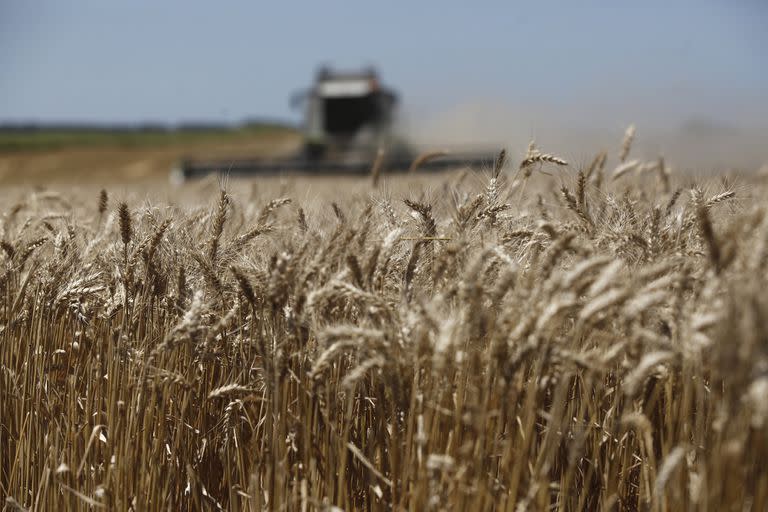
x=12, y=140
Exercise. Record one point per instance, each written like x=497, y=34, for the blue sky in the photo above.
x=175, y=60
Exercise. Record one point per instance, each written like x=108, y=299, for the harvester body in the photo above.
x=347, y=116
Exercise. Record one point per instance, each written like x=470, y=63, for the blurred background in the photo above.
x=120, y=91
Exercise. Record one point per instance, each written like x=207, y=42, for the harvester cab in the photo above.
x=347, y=116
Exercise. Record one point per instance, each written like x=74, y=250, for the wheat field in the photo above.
x=539, y=336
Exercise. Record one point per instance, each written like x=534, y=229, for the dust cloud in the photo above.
x=699, y=143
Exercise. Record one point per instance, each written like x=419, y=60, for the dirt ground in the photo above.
x=108, y=165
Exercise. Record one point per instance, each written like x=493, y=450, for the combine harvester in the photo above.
x=347, y=127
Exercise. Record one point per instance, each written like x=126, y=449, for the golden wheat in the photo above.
x=587, y=347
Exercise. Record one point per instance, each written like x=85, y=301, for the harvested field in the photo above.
x=124, y=162
x=501, y=339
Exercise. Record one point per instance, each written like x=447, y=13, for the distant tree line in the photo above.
x=148, y=127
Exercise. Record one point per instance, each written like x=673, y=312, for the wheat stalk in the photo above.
x=626, y=143
x=425, y=157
